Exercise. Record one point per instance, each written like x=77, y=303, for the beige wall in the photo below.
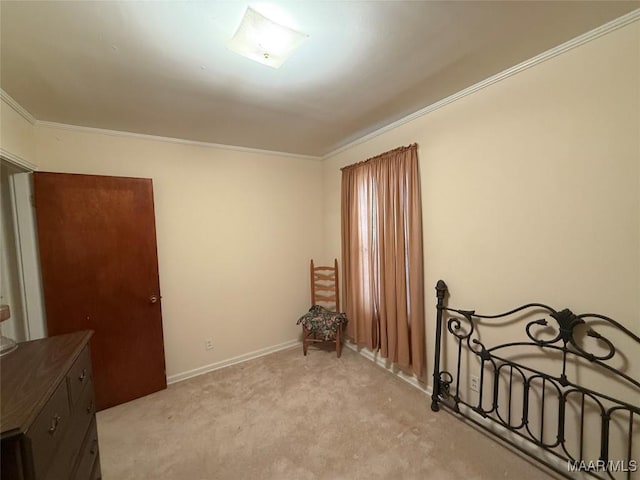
x=233, y=228
x=530, y=187
x=234, y=236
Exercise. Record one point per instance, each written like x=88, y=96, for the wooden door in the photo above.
x=99, y=264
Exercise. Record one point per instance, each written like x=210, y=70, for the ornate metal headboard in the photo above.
x=533, y=391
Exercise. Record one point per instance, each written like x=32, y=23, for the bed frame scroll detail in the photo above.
x=560, y=392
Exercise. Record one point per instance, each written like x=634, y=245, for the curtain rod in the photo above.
x=395, y=150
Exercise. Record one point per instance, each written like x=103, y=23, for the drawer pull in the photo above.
x=94, y=447
x=83, y=375
x=90, y=407
x=55, y=421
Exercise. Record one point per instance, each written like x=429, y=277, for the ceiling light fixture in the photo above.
x=264, y=40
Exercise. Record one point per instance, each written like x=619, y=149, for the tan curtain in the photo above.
x=382, y=256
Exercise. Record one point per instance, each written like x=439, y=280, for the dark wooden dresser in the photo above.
x=48, y=411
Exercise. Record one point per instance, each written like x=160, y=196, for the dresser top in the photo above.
x=30, y=375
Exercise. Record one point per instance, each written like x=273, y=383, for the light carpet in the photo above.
x=285, y=416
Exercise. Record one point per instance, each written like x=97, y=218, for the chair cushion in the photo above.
x=322, y=322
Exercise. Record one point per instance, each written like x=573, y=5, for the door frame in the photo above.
x=26, y=241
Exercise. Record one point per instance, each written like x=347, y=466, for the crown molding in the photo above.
x=180, y=141
x=609, y=27
x=8, y=99
x=118, y=133
x=17, y=160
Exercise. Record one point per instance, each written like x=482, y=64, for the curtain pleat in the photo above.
x=382, y=256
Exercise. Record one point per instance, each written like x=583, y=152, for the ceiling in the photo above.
x=162, y=68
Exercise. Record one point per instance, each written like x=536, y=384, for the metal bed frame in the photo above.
x=493, y=410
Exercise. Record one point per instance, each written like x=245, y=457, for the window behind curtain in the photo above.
x=382, y=256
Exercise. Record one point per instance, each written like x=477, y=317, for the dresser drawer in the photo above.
x=79, y=375
x=48, y=430
x=88, y=454
x=68, y=453
x=46, y=392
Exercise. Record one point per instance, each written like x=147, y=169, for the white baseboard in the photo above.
x=390, y=367
x=178, y=377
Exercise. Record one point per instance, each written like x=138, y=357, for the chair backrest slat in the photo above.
x=325, y=285
x=320, y=276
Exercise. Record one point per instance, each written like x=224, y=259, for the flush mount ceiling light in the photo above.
x=264, y=40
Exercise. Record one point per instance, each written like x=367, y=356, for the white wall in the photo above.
x=235, y=234
x=530, y=187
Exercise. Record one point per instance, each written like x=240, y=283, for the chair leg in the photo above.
x=339, y=342
x=304, y=340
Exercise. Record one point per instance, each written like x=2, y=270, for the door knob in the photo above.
x=153, y=299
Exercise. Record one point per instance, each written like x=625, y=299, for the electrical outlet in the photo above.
x=208, y=344
x=475, y=384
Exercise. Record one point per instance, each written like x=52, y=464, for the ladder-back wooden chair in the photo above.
x=324, y=322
